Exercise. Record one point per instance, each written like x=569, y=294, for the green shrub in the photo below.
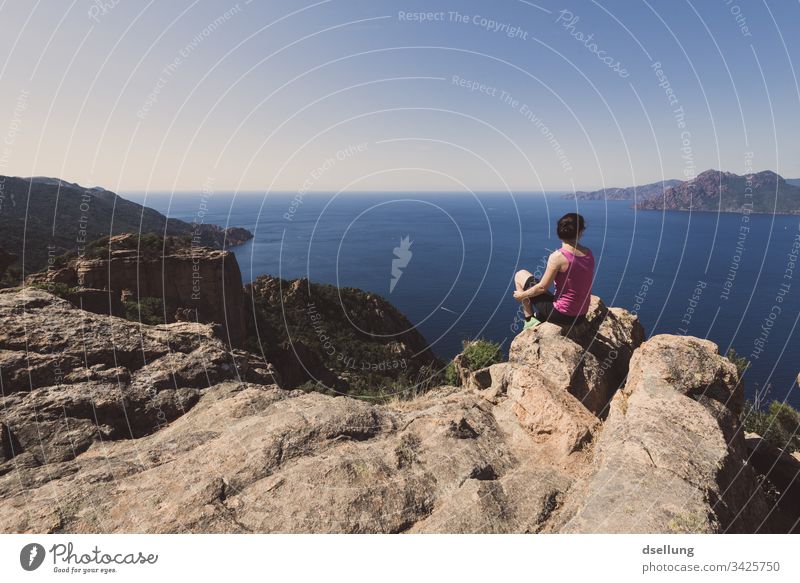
x=740, y=361
x=146, y=310
x=450, y=375
x=482, y=353
x=778, y=425
x=59, y=261
x=12, y=277
x=61, y=290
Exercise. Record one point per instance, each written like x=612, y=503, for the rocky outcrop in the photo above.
x=71, y=378
x=590, y=360
x=671, y=456
x=516, y=450
x=150, y=434
x=342, y=338
x=191, y=283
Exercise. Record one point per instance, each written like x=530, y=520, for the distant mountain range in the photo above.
x=714, y=190
x=624, y=193
x=43, y=217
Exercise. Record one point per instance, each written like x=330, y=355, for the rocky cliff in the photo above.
x=342, y=338
x=60, y=217
x=177, y=281
x=713, y=190
x=108, y=426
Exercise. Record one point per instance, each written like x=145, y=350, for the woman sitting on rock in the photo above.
x=572, y=270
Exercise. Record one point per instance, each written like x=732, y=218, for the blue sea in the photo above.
x=731, y=278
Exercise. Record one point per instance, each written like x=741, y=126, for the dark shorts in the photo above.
x=545, y=311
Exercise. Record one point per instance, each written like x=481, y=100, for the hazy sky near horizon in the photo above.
x=364, y=95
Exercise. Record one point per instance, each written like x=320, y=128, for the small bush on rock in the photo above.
x=147, y=310
x=740, y=362
x=482, y=353
x=58, y=289
x=779, y=425
x=450, y=374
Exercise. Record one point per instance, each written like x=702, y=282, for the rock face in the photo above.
x=71, y=378
x=670, y=457
x=515, y=451
x=342, y=338
x=782, y=472
x=204, y=284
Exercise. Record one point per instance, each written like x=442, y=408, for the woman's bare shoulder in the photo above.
x=557, y=257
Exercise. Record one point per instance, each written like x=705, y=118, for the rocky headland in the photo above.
x=712, y=190
x=41, y=218
x=624, y=193
x=717, y=191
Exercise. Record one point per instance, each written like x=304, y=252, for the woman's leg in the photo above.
x=521, y=278
x=542, y=304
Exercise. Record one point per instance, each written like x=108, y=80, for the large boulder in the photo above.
x=589, y=360
x=670, y=456
x=550, y=414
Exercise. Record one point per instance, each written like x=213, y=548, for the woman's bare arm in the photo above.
x=554, y=264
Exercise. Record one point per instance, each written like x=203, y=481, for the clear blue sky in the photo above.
x=296, y=95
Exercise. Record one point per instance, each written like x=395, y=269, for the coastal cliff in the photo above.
x=169, y=278
x=113, y=426
x=341, y=338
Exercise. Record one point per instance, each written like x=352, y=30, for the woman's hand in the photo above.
x=521, y=295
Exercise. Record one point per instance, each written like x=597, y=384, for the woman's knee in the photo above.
x=521, y=277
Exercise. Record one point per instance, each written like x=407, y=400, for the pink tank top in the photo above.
x=574, y=286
